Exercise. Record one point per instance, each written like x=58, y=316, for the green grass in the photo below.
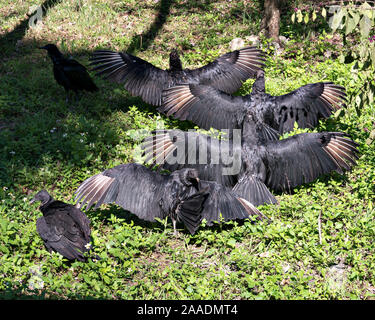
x=46, y=144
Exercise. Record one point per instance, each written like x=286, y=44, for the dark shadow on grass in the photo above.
x=105, y=215
x=9, y=40
x=144, y=40
x=18, y=293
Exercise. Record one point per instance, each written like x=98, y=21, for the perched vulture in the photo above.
x=209, y=107
x=143, y=79
x=69, y=73
x=250, y=165
x=63, y=227
x=149, y=195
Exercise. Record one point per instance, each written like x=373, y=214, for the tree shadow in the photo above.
x=192, y=6
x=32, y=106
x=144, y=40
x=9, y=40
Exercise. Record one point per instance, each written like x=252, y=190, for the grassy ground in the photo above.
x=320, y=242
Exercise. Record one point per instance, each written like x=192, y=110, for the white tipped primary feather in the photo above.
x=104, y=181
x=251, y=209
x=87, y=193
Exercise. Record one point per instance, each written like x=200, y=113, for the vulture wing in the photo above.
x=204, y=105
x=223, y=204
x=215, y=160
x=140, y=77
x=65, y=234
x=209, y=107
x=304, y=157
x=133, y=187
x=228, y=71
x=305, y=105
x=143, y=79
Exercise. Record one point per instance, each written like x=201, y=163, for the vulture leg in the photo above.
x=174, y=222
x=67, y=97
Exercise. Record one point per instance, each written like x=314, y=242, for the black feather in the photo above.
x=151, y=195
x=143, y=79
x=253, y=166
x=209, y=107
x=63, y=227
x=68, y=72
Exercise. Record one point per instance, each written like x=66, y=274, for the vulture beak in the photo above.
x=32, y=200
x=197, y=183
x=260, y=73
x=42, y=48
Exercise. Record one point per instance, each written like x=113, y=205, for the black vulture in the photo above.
x=69, y=73
x=63, y=227
x=143, y=79
x=250, y=165
x=149, y=195
x=209, y=107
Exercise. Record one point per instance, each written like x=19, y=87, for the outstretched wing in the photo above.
x=143, y=79
x=304, y=157
x=131, y=186
x=209, y=107
x=306, y=105
x=223, y=204
x=215, y=160
x=229, y=70
x=140, y=77
x=204, y=105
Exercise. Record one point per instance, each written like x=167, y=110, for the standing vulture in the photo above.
x=143, y=79
x=69, y=73
x=209, y=107
x=149, y=195
x=63, y=227
x=250, y=165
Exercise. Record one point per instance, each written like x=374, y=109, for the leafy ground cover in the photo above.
x=319, y=244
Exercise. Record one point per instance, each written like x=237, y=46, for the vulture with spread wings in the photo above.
x=149, y=195
x=143, y=79
x=210, y=107
x=250, y=165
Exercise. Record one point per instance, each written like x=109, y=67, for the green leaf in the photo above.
x=231, y=242
x=350, y=25
x=371, y=138
x=341, y=58
x=293, y=17
x=324, y=12
x=367, y=10
x=358, y=100
x=313, y=15
x=299, y=16
x=306, y=18
x=372, y=56
x=363, y=52
x=336, y=19
x=365, y=26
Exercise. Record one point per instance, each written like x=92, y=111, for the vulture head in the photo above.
x=52, y=50
x=189, y=177
x=43, y=196
x=174, y=61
